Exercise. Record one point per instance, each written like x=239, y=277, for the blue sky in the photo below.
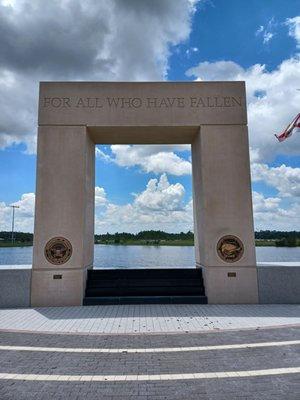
x=140, y=187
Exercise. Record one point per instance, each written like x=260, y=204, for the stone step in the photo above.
x=170, y=273
x=125, y=282
x=113, y=300
x=145, y=291
x=136, y=286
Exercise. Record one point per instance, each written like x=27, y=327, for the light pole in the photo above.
x=13, y=222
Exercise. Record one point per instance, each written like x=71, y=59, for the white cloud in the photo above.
x=272, y=100
x=267, y=31
x=259, y=30
x=294, y=28
x=267, y=37
x=24, y=215
x=191, y=51
x=5, y=216
x=26, y=205
x=268, y=214
x=285, y=179
x=161, y=196
x=150, y=158
x=157, y=208
x=262, y=204
x=101, y=154
x=129, y=218
x=100, y=196
x=75, y=40
x=18, y=104
x=160, y=206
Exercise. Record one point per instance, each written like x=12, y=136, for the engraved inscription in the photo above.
x=89, y=102
x=216, y=101
x=134, y=103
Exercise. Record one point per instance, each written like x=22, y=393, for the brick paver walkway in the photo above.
x=155, y=318
x=192, y=366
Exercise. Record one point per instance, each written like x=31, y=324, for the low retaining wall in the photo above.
x=15, y=286
x=278, y=283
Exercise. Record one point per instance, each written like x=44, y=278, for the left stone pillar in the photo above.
x=63, y=247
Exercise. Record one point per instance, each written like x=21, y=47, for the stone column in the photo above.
x=64, y=216
x=223, y=214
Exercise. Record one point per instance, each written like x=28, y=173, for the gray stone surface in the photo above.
x=15, y=287
x=65, y=161
x=279, y=284
x=56, y=364
x=149, y=318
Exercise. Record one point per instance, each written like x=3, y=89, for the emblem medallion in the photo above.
x=58, y=250
x=230, y=248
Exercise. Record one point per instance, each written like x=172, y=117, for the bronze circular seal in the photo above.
x=58, y=250
x=230, y=248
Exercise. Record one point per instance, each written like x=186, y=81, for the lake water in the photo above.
x=114, y=256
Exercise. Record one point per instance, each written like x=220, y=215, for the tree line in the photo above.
x=23, y=237
x=282, y=238
x=144, y=235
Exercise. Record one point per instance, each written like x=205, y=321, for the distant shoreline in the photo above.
x=188, y=242
x=265, y=238
x=15, y=244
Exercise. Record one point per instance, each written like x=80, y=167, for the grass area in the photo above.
x=187, y=242
x=14, y=244
x=265, y=242
x=180, y=242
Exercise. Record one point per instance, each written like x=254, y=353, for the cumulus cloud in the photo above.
x=100, y=196
x=269, y=214
x=75, y=40
x=40, y=41
x=161, y=196
x=272, y=100
x=24, y=214
x=18, y=104
x=262, y=204
x=128, y=218
x=150, y=158
x=160, y=206
x=285, y=179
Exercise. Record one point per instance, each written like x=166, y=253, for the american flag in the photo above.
x=289, y=129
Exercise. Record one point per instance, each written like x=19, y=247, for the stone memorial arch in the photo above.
x=74, y=116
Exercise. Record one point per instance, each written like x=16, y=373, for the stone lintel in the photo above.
x=108, y=104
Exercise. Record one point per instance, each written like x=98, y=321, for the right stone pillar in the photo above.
x=223, y=214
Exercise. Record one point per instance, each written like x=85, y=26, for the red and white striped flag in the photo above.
x=289, y=129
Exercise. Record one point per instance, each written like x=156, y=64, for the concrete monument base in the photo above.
x=236, y=285
x=58, y=287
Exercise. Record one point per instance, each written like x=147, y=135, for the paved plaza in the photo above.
x=151, y=352
x=248, y=364
x=156, y=318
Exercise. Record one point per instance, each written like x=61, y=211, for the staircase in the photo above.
x=144, y=286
